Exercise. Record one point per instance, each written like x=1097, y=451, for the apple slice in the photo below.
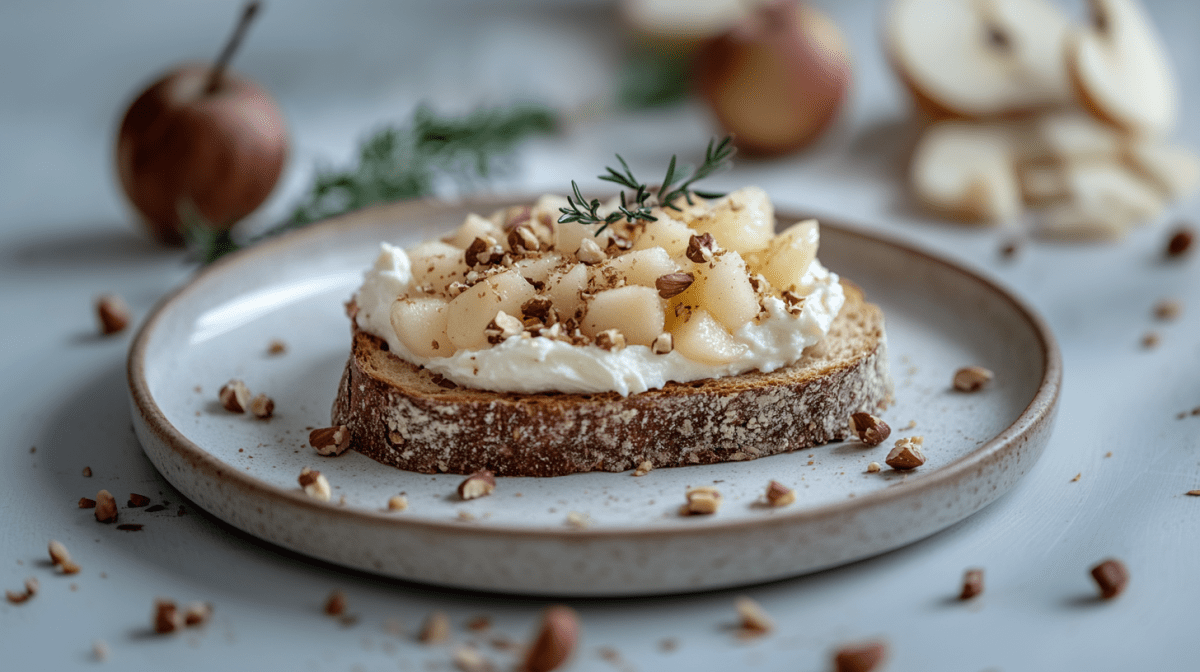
x=967, y=171
x=1121, y=71
x=1174, y=170
x=1102, y=201
x=979, y=59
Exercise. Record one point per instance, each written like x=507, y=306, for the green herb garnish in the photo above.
x=398, y=163
x=717, y=157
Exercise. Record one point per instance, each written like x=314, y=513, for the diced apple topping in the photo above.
x=682, y=282
x=420, y=324
x=788, y=256
x=743, y=221
x=468, y=314
x=701, y=338
x=633, y=310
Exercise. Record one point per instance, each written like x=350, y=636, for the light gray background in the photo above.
x=340, y=69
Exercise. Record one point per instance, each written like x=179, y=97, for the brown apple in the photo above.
x=205, y=135
x=778, y=79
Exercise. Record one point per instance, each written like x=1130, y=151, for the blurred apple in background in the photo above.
x=204, y=137
x=777, y=79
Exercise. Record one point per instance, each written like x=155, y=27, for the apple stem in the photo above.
x=235, y=40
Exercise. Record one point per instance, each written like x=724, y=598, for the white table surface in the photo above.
x=339, y=69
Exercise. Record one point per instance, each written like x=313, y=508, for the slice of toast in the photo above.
x=405, y=416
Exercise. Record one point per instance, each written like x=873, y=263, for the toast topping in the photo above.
x=539, y=305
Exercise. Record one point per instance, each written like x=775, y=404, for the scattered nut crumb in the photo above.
x=1077, y=477
x=276, y=347
x=137, y=501
x=262, y=407
x=62, y=559
x=753, y=619
x=912, y=424
x=1193, y=493
x=113, y=313
x=397, y=503
x=435, y=629
x=100, y=650
x=704, y=500
x=106, y=507
x=1108, y=454
x=166, y=617
x=870, y=430
x=1180, y=242
x=87, y=472
x=972, y=584
x=315, y=484
x=1150, y=340
x=577, y=520
x=335, y=604
x=673, y=284
x=330, y=441
x=779, y=494
x=86, y=503
x=234, y=396
x=971, y=378
x=907, y=454
x=468, y=659
x=555, y=640
x=479, y=623
x=130, y=527
x=873, y=467
x=1167, y=309
x=479, y=484
x=31, y=589
x=467, y=516
x=197, y=613
x=644, y=468
x=860, y=657
x=668, y=645
x=663, y=344
x=1009, y=249
x=1111, y=576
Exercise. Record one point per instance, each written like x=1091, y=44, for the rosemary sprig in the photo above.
x=716, y=157
x=398, y=163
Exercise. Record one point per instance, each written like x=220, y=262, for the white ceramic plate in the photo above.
x=243, y=470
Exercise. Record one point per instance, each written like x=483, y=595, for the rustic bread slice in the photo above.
x=403, y=415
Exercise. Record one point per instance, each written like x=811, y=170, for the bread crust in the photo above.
x=404, y=416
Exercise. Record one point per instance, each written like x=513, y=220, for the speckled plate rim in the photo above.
x=1031, y=422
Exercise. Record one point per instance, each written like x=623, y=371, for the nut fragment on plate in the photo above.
x=276, y=347
x=397, y=503
x=644, y=468
x=860, y=657
x=578, y=520
x=330, y=441
x=100, y=650
x=752, y=618
x=779, y=494
x=62, y=559
x=870, y=430
x=106, y=507
x=1167, y=309
x=197, y=613
x=315, y=484
x=262, y=406
x=907, y=454
x=873, y=468
x=435, y=629
x=703, y=500
x=137, y=501
x=1150, y=340
x=972, y=584
x=113, y=313
x=1180, y=242
x=479, y=484
x=335, y=604
x=18, y=597
x=234, y=396
x=166, y=617
x=87, y=503
x=555, y=640
x=971, y=378
x=1111, y=576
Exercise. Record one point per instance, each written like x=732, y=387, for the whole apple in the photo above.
x=778, y=79
x=223, y=149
